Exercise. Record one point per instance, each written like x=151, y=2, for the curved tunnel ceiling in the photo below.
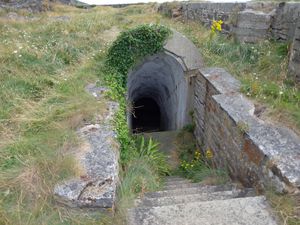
x=161, y=78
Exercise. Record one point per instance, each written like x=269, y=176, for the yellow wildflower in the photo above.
x=197, y=155
x=208, y=153
x=216, y=26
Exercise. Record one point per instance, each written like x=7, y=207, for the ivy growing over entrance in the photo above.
x=135, y=44
x=130, y=47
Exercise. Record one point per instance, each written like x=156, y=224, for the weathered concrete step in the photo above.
x=190, y=190
x=238, y=211
x=169, y=183
x=182, y=185
x=181, y=199
x=174, y=178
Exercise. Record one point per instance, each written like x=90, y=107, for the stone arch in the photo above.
x=165, y=78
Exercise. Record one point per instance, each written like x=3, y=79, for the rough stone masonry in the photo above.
x=294, y=65
x=255, y=152
x=249, y=22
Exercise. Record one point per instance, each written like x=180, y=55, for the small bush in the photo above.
x=149, y=149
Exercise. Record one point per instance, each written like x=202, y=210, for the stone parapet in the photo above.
x=255, y=152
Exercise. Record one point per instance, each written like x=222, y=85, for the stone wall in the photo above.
x=294, y=65
x=249, y=22
x=32, y=5
x=205, y=13
x=257, y=20
x=252, y=26
x=284, y=21
x=97, y=160
x=256, y=153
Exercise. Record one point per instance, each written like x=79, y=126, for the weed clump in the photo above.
x=195, y=164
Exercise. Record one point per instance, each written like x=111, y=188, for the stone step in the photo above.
x=174, y=178
x=182, y=185
x=181, y=199
x=190, y=190
x=238, y=211
x=169, y=183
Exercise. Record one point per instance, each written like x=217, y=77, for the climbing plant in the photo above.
x=135, y=44
x=129, y=47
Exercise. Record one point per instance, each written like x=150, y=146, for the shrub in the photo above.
x=149, y=150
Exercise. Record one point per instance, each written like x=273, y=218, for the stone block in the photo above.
x=252, y=26
x=182, y=48
x=97, y=159
x=253, y=152
x=285, y=20
x=294, y=64
x=221, y=80
x=279, y=144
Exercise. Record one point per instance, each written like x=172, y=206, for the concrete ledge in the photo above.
x=97, y=160
x=222, y=81
x=280, y=145
x=181, y=47
x=255, y=152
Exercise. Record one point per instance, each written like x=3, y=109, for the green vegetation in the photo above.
x=262, y=69
x=194, y=164
x=45, y=66
x=141, y=173
x=128, y=48
x=135, y=44
x=141, y=161
x=286, y=206
x=149, y=148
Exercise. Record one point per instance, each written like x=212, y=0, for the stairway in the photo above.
x=184, y=203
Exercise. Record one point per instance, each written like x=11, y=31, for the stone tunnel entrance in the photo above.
x=159, y=87
x=158, y=92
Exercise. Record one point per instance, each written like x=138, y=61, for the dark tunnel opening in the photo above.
x=146, y=116
x=158, y=92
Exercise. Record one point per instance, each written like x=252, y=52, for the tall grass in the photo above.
x=45, y=66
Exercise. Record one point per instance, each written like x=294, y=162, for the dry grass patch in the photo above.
x=287, y=207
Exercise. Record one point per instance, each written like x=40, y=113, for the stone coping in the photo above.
x=97, y=160
x=279, y=145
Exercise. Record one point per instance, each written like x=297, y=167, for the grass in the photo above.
x=286, y=207
x=44, y=69
x=194, y=164
x=45, y=65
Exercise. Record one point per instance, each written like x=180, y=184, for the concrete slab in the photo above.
x=182, y=48
x=239, y=211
